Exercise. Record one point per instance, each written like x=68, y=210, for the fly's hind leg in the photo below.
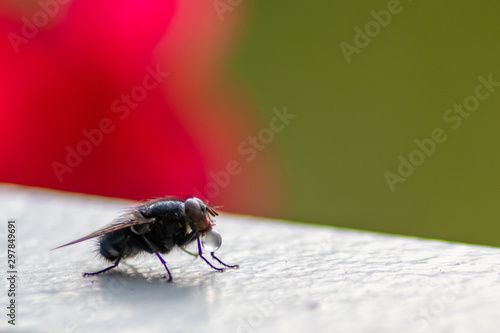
x=120, y=255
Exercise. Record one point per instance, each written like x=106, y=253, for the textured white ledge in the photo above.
x=293, y=278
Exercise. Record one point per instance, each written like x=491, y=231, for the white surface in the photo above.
x=293, y=278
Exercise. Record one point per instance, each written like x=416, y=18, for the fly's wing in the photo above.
x=126, y=220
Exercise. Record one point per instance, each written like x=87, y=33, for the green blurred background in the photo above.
x=355, y=119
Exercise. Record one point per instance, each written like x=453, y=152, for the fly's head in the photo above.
x=201, y=216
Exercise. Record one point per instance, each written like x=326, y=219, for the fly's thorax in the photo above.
x=161, y=208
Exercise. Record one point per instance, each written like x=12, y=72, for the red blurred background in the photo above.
x=130, y=100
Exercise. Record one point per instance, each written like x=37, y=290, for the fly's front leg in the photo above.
x=200, y=253
x=230, y=266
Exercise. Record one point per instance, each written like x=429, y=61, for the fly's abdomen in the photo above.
x=112, y=244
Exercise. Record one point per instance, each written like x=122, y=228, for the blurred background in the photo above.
x=379, y=116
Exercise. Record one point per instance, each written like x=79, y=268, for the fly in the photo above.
x=158, y=226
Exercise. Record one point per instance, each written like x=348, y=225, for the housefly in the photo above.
x=158, y=226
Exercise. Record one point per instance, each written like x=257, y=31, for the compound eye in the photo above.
x=193, y=209
x=211, y=241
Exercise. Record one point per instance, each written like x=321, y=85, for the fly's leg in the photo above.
x=200, y=253
x=164, y=264
x=155, y=251
x=189, y=252
x=188, y=239
x=112, y=266
x=230, y=266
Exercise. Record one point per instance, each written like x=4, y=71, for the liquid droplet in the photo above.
x=211, y=241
